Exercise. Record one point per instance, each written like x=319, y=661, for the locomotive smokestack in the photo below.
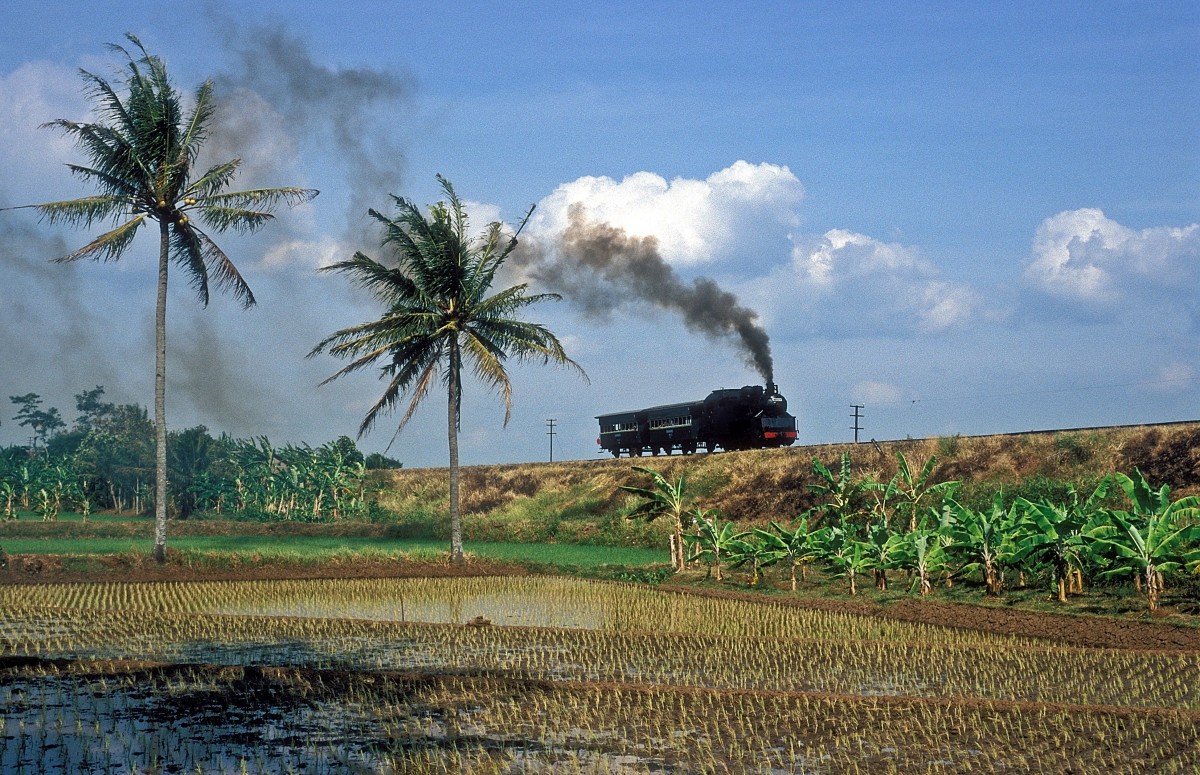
x=602, y=265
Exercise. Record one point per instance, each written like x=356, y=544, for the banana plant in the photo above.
x=915, y=488
x=882, y=547
x=848, y=556
x=744, y=550
x=1150, y=539
x=1057, y=534
x=921, y=552
x=8, y=497
x=712, y=540
x=797, y=546
x=843, y=493
x=665, y=498
x=987, y=539
x=45, y=506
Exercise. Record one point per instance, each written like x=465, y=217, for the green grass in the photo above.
x=76, y=517
x=318, y=547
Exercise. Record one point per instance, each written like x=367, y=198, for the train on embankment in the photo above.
x=750, y=417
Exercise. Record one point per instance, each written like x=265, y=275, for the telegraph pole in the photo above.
x=856, y=427
x=550, y=433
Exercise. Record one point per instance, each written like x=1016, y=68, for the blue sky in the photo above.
x=967, y=217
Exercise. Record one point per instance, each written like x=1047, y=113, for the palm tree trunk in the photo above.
x=160, y=399
x=456, y=546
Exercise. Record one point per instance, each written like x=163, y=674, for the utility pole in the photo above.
x=550, y=433
x=856, y=427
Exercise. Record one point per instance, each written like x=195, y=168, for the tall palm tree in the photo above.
x=141, y=151
x=439, y=312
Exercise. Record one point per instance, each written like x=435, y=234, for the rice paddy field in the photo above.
x=546, y=674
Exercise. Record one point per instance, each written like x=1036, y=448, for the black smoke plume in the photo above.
x=599, y=267
x=277, y=98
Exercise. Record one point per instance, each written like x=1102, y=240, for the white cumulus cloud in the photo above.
x=840, y=256
x=694, y=221
x=853, y=281
x=311, y=254
x=1085, y=256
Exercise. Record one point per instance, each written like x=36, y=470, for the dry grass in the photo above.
x=756, y=486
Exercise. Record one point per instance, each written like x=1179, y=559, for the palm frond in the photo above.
x=195, y=129
x=214, y=180
x=388, y=284
x=487, y=361
x=116, y=187
x=188, y=252
x=110, y=245
x=78, y=212
x=203, y=258
x=223, y=269
x=112, y=156
x=261, y=198
x=222, y=219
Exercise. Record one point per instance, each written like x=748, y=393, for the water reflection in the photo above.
x=560, y=603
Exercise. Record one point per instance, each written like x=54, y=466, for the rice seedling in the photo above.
x=389, y=675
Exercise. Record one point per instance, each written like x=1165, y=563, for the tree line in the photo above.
x=1124, y=528
x=105, y=461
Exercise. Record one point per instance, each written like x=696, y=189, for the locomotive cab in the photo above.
x=777, y=426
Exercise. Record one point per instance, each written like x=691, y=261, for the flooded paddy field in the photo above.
x=537, y=674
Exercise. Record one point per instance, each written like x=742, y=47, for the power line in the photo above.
x=550, y=433
x=1045, y=391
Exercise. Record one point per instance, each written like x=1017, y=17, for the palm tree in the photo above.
x=141, y=153
x=439, y=312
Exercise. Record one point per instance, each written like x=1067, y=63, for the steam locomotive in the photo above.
x=743, y=418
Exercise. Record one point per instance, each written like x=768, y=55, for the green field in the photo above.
x=318, y=548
